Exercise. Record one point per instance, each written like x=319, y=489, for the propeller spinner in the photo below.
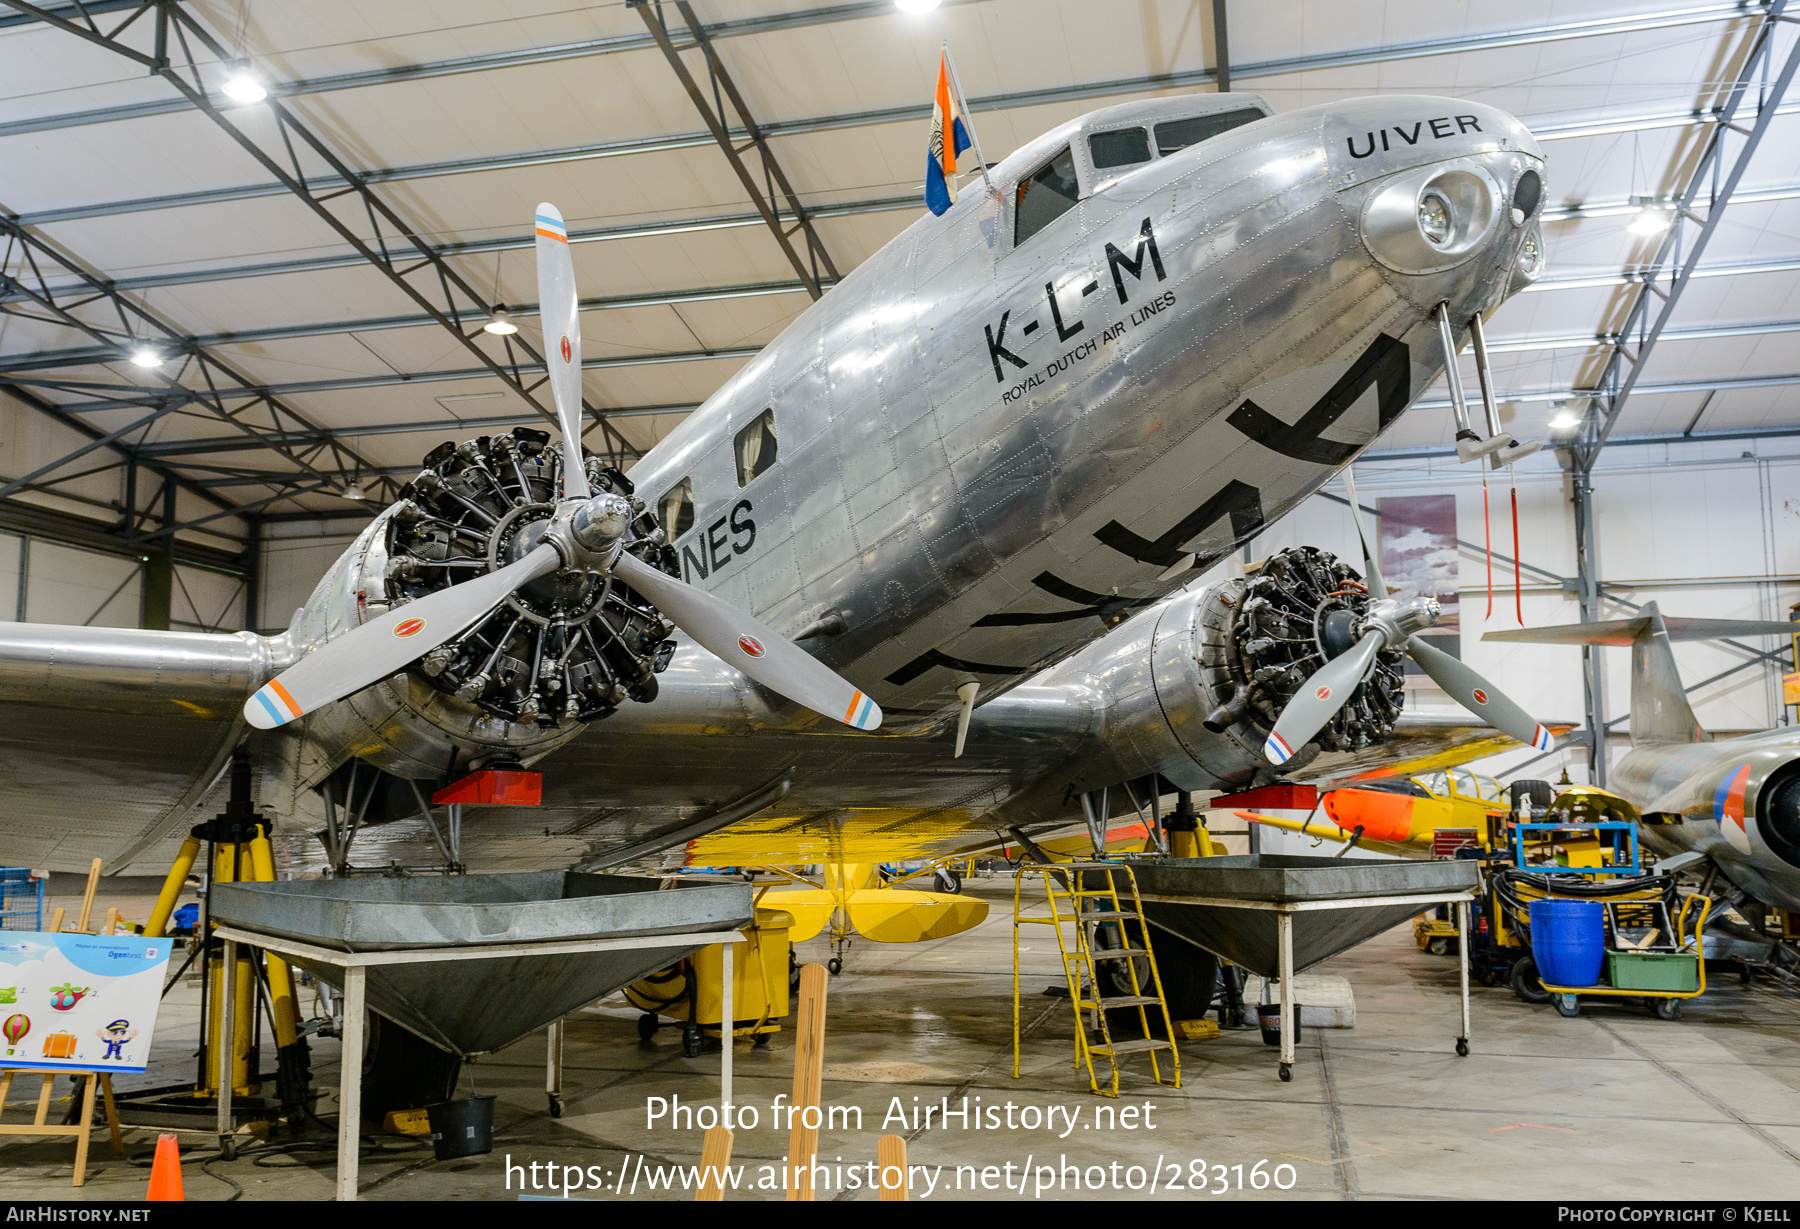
x=577, y=544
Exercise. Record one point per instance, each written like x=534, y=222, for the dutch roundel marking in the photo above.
x=567, y=353
x=1728, y=799
x=1728, y=808
x=1323, y=693
x=1479, y=696
x=751, y=645
x=408, y=627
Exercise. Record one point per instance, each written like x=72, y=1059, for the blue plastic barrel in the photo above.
x=1568, y=941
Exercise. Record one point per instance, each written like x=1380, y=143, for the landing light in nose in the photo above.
x=1434, y=217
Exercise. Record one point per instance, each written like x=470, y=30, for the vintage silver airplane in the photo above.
x=1735, y=801
x=968, y=480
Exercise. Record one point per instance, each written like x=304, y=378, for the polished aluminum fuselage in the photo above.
x=990, y=452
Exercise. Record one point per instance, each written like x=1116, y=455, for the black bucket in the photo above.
x=1269, y=1016
x=461, y=1128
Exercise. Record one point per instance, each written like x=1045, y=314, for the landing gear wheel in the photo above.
x=1287, y=1072
x=947, y=880
x=1462, y=1047
x=556, y=1105
x=836, y=965
x=1666, y=1009
x=690, y=1040
x=1568, y=1005
x=1525, y=983
x=647, y=1026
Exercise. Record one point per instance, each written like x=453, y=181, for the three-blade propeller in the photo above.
x=1391, y=624
x=586, y=530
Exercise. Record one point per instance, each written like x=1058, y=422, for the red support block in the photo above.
x=1271, y=798
x=495, y=787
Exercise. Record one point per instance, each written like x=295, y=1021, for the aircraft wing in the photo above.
x=1420, y=743
x=98, y=756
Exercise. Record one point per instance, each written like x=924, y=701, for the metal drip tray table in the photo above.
x=1277, y=915
x=470, y=962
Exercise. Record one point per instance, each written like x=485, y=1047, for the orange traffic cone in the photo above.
x=165, y=1171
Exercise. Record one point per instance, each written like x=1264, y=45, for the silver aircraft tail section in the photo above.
x=1660, y=713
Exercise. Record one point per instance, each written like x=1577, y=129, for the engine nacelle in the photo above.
x=561, y=652
x=1191, y=689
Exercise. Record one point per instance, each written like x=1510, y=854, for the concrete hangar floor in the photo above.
x=1613, y=1104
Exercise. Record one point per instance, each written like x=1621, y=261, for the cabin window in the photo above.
x=1122, y=148
x=1044, y=196
x=678, y=509
x=1176, y=134
x=756, y=447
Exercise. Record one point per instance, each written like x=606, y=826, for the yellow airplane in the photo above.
x=1399, y=815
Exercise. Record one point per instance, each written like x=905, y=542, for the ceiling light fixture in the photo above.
x=499, y=323
x=916, y=6
x=147, y=356
x=242, y=86
x=1651, y=219
x=354, y=490
x=1563, y=418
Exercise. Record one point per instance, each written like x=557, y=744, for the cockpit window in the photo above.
x=756, y=447
x=1044, y=196
x=678, y=509
x=1177, y=134
x=1122, y=148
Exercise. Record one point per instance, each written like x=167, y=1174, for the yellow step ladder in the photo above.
x=1098, y=933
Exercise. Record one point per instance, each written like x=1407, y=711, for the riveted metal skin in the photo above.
x=991, y=453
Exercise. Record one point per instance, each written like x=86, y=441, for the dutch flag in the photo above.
x=940, y=158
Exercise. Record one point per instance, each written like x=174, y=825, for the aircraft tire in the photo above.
x=1189, y=975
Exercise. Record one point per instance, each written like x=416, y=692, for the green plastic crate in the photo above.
x=1676, y=971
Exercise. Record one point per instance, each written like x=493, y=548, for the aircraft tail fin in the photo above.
x=1660, y=712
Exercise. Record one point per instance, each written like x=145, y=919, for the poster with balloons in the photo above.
x=84, y=1002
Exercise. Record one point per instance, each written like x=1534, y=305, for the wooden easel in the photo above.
x=95, y=1077
x=81, y=1130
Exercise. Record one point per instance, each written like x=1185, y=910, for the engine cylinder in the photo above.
x=1275, y=628
x=569, y=646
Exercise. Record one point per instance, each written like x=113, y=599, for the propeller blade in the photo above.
x=380, y=647
x=1478, y=695
x=562, y=340
x=751, y=646
x=1371, y=566
x=1320, y=697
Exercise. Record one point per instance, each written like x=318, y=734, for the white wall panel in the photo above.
x=9, y=576
x=292, y=566
x=206, y=601
x=67, y=585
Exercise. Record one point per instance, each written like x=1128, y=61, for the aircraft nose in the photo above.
x=1444, y=192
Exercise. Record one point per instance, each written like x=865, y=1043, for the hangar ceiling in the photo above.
x=314, y=269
